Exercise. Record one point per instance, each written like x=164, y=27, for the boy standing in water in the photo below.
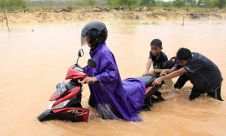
x=156, y=57
x=202, y=73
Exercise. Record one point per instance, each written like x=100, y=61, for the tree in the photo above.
x=145, y=2
x=148, y=2
x=221, y=4
x=179, y=3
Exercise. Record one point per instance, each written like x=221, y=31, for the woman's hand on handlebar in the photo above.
x=89, y=80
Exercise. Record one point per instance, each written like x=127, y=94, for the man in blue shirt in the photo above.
x=199, y=70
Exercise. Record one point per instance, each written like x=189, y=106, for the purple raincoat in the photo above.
x=112, y=97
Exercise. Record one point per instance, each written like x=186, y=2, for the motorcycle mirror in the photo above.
x=80, y=53
x=91, y=63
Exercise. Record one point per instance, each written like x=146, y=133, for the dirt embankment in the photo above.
x=145, y=15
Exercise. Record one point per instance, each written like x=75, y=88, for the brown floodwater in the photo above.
x=35, y=58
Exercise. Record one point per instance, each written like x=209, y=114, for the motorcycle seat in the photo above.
x=147, y=79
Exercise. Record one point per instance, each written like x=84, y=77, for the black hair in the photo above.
x=156, y=42
x=184, y=54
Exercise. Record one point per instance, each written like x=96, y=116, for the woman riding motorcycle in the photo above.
x=112, y=97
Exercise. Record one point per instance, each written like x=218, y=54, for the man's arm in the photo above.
x=151, y=72
x=148, y=66
x=160, y=70
x=167, y=71
x=171, y=75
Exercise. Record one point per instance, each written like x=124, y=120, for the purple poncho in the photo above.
x=112, y=97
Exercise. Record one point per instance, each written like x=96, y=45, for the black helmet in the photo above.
x=94, y=34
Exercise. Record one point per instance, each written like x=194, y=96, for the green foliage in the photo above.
x=211, y=3
x=147, y=2
x=204, y=3
x=12, y=4
x=221, y=4
x=179, y=3
x=89, y=2
x=124, y=3
x=167, y=4
x=84, y=3
x=26, y=4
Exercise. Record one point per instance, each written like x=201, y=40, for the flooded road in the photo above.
x=35, y=58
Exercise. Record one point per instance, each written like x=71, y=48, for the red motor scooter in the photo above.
x=65, y=103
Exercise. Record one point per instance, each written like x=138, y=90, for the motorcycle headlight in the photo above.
x=78, y=69
x=50, y=105
x=61, y=88
x=61, y=105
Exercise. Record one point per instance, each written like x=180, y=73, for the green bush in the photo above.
x=124, y=3
x=221, y=4
x=89, y=2
x=179, y=3
x=167, y=4
x=150, y=3
x=12, y=4
x=83, y=3
x=207, y=3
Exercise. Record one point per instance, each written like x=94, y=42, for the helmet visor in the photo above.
x=84, y=40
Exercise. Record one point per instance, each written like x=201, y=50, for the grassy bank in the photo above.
x=13, y=5
x=21, y=11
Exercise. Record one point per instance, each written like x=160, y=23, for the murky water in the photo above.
x=33, y=62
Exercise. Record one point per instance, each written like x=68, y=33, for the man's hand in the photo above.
x=89, y=80
x=157, y=81
x=152, y=72
x=145, y=73
x=163, y=73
